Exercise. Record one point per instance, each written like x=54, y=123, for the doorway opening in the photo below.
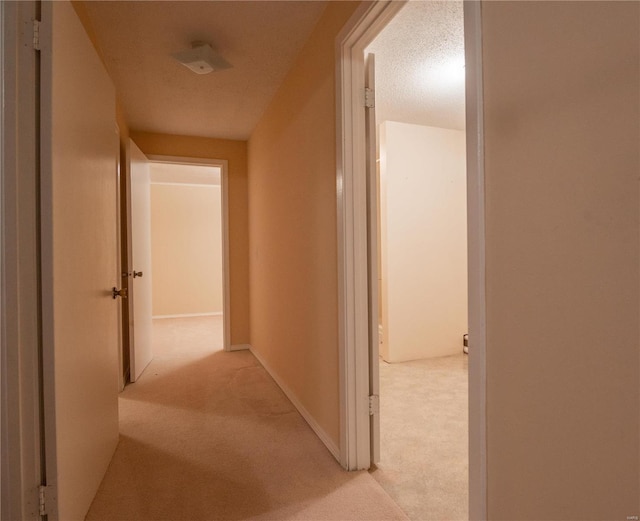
x=421, y=259
x=186, y=248
x=358, y=236
x=178, y=230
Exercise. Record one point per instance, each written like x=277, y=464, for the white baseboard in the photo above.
x=320, y=432
x=239, y=347
x=188, y=315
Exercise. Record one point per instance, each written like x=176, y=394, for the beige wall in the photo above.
x=186, y=249
x=292, y=225
x=235, y=152
x=562, y=94
x=424, y=241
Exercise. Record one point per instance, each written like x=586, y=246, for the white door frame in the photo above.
x=353, y=307
x=224, y=192
x=21, y=471
x=476, y=261
x=359, y=32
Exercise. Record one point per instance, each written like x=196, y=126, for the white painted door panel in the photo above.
x=80, y=264
x=140, y=285
x=372, y=254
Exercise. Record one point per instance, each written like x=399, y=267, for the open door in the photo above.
x=80, y=265
x=372, y=256
x=141, y=351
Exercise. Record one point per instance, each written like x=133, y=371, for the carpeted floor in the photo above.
x=424, y=437
x=208, y=435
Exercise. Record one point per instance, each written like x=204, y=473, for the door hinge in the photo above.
x=36, y=34
x=42, y=500
x=374, y=404
x=369, y=98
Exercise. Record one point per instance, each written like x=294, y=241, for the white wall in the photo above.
x=186, y=247
x=423, y=241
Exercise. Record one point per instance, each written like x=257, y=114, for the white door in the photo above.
x=372, y=254
x=141, y=351
x=80, y=264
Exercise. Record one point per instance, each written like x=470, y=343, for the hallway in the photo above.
x=206, y=434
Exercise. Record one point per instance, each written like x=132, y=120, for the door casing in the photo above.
x=22, y=464
x=354, y=338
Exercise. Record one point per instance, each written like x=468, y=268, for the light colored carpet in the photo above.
x=424, y=437
x=208, y=435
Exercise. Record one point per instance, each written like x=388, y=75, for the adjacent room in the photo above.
x=422, y=260
x=186, y=248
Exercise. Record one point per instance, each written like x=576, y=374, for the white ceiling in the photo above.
x=259, y=38
x=420, y=66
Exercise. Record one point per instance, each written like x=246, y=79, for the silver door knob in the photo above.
x=137, y=274
x=115, y=292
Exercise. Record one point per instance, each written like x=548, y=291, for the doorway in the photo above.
x=186, y=248
x=359, y=331
x=422, y=260
x=185, y=238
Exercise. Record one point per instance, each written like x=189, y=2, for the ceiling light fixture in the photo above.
x=201, y=59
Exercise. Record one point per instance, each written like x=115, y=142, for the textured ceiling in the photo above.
x=259, y=38
x=420, y=66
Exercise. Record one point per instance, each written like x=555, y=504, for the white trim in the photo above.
x=226, y=278
x=320, y=432
x=224, y=184
x=199, y=185
x=179, y=160
x=477, y=274
x=353, y=312
x=188, y=315
x=240, y=347
x=20, y=419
